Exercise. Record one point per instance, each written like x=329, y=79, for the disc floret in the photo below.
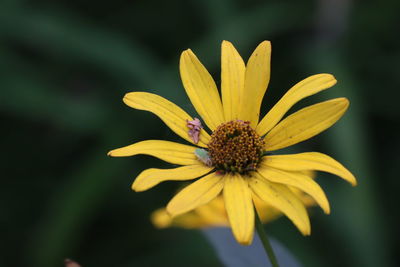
x=235, y=147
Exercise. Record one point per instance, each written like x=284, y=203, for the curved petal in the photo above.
x=171, y=152
x=162, y=219
x=239, y=207
x=172, y=115
x=255, y=83
x=152, y=177
x=196, y=194
x=232, y=80
x=266, y=212
x=213, y=213
x=298, y=180
x=306, y=87
x=201, y=89
x=280, y=197
x=305, y=123
x=309, y=161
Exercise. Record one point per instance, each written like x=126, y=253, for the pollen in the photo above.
x=235, y=147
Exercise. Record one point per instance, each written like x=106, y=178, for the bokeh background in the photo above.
x=65, y=65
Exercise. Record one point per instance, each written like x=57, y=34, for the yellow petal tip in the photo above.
x=186, y=52
x=266, y=42
x=126, y=97
x=326, y=207
x=332, y=79
x=344, y=101
x=161, y=219
x=113, y=153
x=135, y=187
x=265, y=45
x=351, y=179
x=306, y=231
x=129, y=99
x=327, y=211
x=245, y=242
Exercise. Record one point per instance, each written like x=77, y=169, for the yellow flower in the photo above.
x=213, y=214
x=235, y=160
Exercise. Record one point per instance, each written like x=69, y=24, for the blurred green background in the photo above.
x=65, y=65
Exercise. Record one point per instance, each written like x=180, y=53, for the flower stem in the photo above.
x=265, y=241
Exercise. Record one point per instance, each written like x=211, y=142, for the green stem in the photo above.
x=265, y=241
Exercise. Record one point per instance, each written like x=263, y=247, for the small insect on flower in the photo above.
x=203, y=156
x=194, y=129
x=235, y=162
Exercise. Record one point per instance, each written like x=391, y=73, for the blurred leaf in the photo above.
x=72, y=207
x=246, y=28
x=33, y=96
x=357, y=210
x=68, y=37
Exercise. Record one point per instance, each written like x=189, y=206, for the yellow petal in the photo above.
x=213, y=214
x=305, y=123
x=280, y=197
x=239, y=207
x=201, y=89
x=161, y=219
x=232, y=80
x=298, y=180
x=309, y=161
x=256, y=83
x=171, y=152
x=306, y=87
x=172, y=115
x=310, y=173
x=196, y=194
x=266, y=212
x=152, y=177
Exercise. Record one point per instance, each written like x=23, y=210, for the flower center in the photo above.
x=235, y=147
